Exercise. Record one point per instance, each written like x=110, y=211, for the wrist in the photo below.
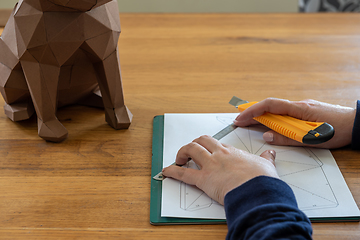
x=255, y=192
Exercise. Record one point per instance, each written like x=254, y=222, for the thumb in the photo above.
x=269, y=155
x=275, y=138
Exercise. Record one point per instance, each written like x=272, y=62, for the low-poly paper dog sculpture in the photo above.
x=59, y=52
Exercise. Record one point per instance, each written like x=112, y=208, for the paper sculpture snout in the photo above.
x=52, y=55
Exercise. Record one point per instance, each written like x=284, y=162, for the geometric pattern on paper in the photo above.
x=192, y=198
x=305, y=177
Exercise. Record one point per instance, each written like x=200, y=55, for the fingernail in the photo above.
x=273, y=153
x=268, y=137
x=236, y=122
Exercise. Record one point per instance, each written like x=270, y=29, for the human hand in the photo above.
x=341, y=118
x=223, y=167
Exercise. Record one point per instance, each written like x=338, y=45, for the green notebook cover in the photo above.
x=156, y=186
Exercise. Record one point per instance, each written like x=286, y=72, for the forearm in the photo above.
x=265, y=208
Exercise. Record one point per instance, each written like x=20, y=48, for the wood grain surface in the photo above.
x=96, y=184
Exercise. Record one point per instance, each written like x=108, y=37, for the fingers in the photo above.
x=269, y=155
x=193, y=151
x=209, y=143
x=269, y=170
x=272, y=105
x=300, y=110
x=186, y=175
x=275, y=138
x=244, y=121
x=199, y=150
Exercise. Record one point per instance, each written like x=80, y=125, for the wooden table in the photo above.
x=96, y=184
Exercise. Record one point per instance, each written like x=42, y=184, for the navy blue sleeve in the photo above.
x=355, y=142
x=265, y=208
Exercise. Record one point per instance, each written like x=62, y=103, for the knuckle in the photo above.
x=191, y=145
x=180, y=173
x=269, y=101
x=272, y=100
x=204, y=137
x=225, y=150
x=306, y=103
x=200, y=139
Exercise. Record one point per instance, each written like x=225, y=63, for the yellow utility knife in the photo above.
x=299, y=130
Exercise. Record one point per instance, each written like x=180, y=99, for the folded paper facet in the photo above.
x=59, y=52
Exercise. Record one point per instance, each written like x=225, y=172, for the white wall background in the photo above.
x=196, y=5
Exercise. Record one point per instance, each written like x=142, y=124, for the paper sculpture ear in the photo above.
x=55, y=53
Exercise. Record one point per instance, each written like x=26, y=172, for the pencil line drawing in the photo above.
x=192, y=198
x=299, y=167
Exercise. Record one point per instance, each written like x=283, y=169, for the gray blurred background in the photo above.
x=197, y=5
x=218, y=6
